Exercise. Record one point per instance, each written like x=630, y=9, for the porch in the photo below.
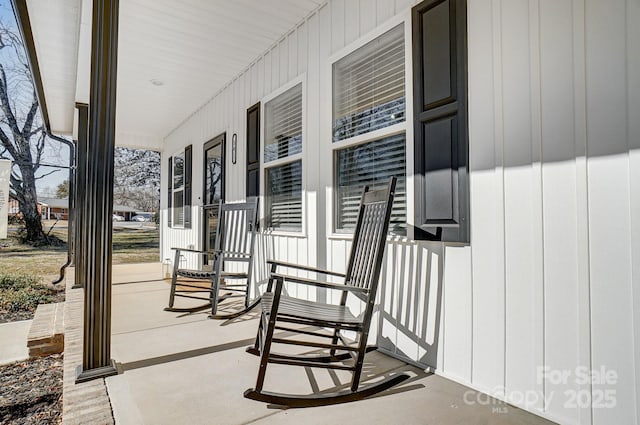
x=529, y=202
x=189, y=369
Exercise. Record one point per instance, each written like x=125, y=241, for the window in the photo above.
x=368, y=87
x=179, y=202
x=283, y=125
x=368, y=96
x=284, y=196
x=440, y=124
x=178, y=190
x=212, y=188
x=370, y=164
x=283, y=160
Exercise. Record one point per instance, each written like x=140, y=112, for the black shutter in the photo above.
x=187, y=186
x=170, y=193
x=253, y=150
x=440, y=133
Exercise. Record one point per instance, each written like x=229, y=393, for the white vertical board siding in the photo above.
x=609, y=205
x=633, y=112
x=583, y=299
x=559, y=201
x=486, y=196
x=584, y=229
x=457, y=311
x=523, y=342
x=551, y=279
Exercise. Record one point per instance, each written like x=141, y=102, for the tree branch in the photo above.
x=7, y=144
x=46, y=174
x=5, y=104
x=39, y=151
x=36, y=131
x=28, y=122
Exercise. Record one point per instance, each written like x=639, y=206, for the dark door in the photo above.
x=213, y=186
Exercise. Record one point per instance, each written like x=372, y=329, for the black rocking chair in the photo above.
x=361, y=279
x=234, y=242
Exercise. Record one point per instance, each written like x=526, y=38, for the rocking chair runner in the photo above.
x=234, y=242
x=361, y=279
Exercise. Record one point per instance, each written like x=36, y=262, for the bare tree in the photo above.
x=22, y=135
x=137, y=179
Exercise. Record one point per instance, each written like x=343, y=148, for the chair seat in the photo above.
x=196, y=274
x=310, y=310
x=209, y=274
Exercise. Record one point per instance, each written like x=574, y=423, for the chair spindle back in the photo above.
x=370, y=237
x=236, y=229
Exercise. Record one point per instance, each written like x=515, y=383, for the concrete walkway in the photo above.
x=13, y=341
x=189, y=369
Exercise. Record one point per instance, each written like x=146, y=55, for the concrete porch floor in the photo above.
x=187, y=369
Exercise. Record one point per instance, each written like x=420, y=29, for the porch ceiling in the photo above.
x=173, y=56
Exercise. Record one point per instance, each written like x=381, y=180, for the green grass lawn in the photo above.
x=130, y=245
x=26, y=272
x=136, y=245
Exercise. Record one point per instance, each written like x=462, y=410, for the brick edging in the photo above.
x=87, y=402
x=46, y=334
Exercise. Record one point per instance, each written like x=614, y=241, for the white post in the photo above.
x=5, y=173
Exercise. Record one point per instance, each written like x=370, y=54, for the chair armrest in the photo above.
x=197, y=251
x=306, y=268
x=337, y=286
x=215, y=251
x=241, y=254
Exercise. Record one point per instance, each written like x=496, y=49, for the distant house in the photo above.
x=58, y=209
x=53, y=208
x=124, y=211
x=14, y=207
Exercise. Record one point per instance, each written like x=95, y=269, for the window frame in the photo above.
x=405, y=127
x=182, y=152
x=300, y=156
x=174, y=190
x=219, y=140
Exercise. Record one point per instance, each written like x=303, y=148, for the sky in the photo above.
x=55, y=153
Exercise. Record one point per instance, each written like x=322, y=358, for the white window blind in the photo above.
x=369, y=87
x=284, y=196
x=178, y=207
x=370, y=164
x=283, y=125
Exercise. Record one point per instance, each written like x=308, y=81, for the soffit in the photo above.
x=174, y=56
x=54, y=25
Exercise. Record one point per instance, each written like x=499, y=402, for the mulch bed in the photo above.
x=14, y=316
x=31, y=391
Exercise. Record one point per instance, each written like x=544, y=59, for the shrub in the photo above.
x=23, y=292
x=15, y=219
x=17, y=281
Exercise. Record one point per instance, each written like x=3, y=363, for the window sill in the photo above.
x=340, y=236
x=285, y=233
x=390, y=238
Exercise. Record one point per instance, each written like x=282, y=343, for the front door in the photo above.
x=213, y=186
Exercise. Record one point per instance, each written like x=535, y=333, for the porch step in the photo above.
x=46, y=335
